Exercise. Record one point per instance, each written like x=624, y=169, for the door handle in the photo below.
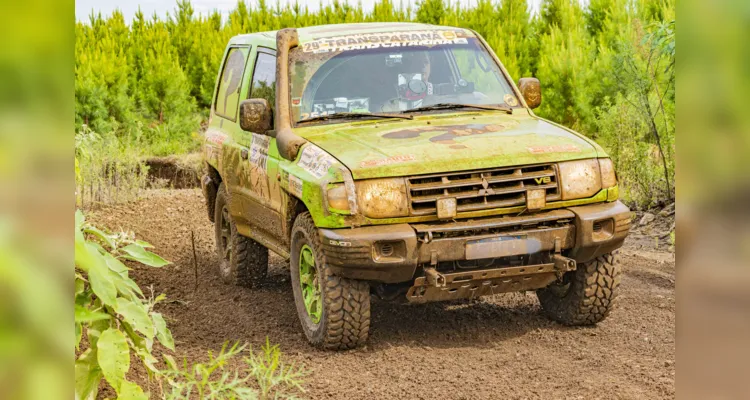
x=243, y=154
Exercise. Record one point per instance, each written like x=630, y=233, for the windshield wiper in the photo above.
x=347, y=115
x=449, y=106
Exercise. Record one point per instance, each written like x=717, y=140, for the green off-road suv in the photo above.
x=401, y=161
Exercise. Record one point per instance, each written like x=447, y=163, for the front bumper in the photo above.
x=392, y=253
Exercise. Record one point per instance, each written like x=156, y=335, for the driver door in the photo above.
x=258, y=184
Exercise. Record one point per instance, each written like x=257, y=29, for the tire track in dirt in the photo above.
x=496, y=347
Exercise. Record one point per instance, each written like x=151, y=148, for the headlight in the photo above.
x=579, y=179
x=607, y=168
x=337, y=199
x=382, y=198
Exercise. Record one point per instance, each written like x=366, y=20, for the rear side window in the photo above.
x=228, y=95
x=264, y=79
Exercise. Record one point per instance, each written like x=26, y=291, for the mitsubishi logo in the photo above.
x=486, y=189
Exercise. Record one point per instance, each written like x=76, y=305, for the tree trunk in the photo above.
x=655, y=132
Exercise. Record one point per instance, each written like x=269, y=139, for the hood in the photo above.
x=433, y=143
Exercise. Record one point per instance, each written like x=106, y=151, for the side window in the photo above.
x=228, y=95
x=264, y=79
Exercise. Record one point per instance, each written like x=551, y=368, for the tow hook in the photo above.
x=563, y=265
x=434, y=278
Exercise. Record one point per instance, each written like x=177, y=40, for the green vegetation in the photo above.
x=213, y=380
x=108, y=168
x=607, y=70
x=112, y=311
x=113, y=318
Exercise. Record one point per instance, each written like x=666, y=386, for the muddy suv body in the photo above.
x=400, y=160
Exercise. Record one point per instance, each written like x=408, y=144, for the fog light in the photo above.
x=386, y=249
x=602, y=230
x=389, y=252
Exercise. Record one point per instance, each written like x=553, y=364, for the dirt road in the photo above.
x=499, y=347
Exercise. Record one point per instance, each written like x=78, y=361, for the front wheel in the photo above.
x=585, y=296
x=334, y=311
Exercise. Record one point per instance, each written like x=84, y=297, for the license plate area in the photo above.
x=499, y=246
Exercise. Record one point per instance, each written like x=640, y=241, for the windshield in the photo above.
x=393, y=72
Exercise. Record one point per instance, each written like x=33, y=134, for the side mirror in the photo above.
x=256, y=116
x=531, y=91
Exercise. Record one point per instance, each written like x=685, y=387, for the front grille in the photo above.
x=481, y=190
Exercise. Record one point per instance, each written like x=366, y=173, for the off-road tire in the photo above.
x=247, y=262
x=586, y=295
x=345, y=319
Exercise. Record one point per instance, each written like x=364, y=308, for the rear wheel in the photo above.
x=334, y=311
x=585, y=296
x=242, y=261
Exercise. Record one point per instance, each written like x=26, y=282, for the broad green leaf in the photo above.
x=145, y=245
x=94, y=329
x=115, y=265
x=80, y=284
x=83, y=256
x=118, y=274
x=136, y=315
x=80, y=219
x=83, y=299
x=113, y=355
x=88, y=376
x=136, y=252
x=104, y=237
x=81, y=253
x=148, y=360
x=126, y=284
x=100, y=281
x=79, y=334
x=97, y=246
x=83, y=314
x=162, y=332
x=139, y=342
x=131, y=391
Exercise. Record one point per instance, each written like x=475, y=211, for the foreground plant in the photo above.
x=214, y=380
x=273, y=377
x=113, y=312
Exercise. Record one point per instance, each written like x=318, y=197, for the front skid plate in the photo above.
x=472, y=284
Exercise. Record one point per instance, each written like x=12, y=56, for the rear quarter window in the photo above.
x=228, y=93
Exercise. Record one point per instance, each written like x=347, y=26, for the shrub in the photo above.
x=114, y=319
x=112, y=315
x=107, y=170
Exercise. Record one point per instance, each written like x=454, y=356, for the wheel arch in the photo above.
x=295, y=207
x=211, y=182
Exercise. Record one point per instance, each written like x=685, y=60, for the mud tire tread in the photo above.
x=345, y=320
x=591, y=296
x=249, y=258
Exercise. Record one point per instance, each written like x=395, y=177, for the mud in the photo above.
x=497, y=347
x=451, y=131
x=174, y=172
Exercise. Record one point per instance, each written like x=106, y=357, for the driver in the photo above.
x=413, y=85
x=421, y=63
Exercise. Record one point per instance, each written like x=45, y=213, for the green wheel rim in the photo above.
x=308, y=281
